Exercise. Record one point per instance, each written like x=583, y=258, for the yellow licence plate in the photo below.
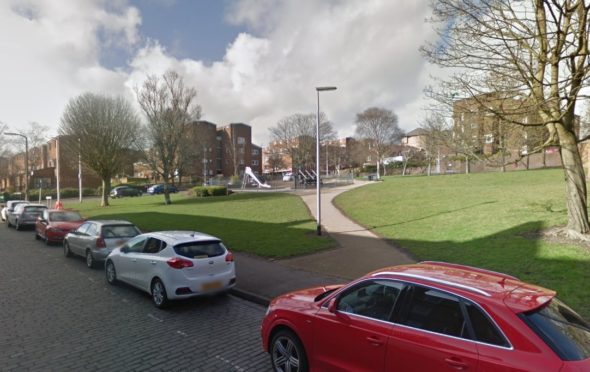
x=211, y=286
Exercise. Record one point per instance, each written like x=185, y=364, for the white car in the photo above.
x=173, y=265
x=9, y=208
x=288, y=176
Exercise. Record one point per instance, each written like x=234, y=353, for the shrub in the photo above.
x=202, y=191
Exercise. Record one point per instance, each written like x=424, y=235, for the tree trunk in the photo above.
x=167, y=200
x=575, y=182
x=378, y=170
x=106, y=189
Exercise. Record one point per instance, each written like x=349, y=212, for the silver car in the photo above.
x=24, y=215
x=95, y=239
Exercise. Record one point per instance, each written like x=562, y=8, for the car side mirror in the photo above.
x=332, y=306
x=124, y=249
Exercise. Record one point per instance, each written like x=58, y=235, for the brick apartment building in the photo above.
x=213, y=152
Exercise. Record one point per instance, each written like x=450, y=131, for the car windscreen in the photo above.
x=64, y=216
x=562, y=329
x=203, y=249
x=119, y=231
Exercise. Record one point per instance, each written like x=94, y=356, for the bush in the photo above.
x=63, y=193
x=203, y=191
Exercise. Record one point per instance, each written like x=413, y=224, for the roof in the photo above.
x=179, y=237
x=111, y=222
x=474, y=283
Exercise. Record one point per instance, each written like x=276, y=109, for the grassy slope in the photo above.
x=265, y=224
x=479, y=219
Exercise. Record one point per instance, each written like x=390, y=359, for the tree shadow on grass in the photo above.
x=259, y=238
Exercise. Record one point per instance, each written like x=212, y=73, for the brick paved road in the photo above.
x=56, y=314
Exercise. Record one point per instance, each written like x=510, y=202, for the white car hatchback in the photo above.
x=173, y=265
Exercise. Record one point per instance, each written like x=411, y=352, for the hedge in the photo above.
x=202, y=191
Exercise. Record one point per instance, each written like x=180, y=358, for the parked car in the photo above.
x=173, y=265
x=159, y=189
x=9, y=208
x=121, y=191
x=24, y=215
x=429, y=316
x=95, y=239
x=288, y=176
x=53, y=225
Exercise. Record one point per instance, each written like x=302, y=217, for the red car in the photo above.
x=54, y=224
x=430, y=316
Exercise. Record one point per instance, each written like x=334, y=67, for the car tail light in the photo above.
x=100, y=243
x=179, y=263
x=229, y=257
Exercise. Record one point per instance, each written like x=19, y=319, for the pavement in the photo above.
x=358, y=251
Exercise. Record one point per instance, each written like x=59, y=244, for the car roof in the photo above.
x=111, y=222
x=11, y=202
x=477, y=284
x=36, y=205
x=178, y=237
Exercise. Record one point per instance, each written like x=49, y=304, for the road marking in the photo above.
x=157, y=319
x=227, y=361
x=182, y=333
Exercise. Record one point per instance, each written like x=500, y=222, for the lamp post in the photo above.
x=317, y=161
x=26, y=161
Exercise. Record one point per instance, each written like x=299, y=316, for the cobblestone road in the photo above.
x=56, y=314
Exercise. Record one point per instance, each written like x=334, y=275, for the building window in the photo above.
x=241, y=161
x=254, y=162
x=241, y=140
x=255, y=152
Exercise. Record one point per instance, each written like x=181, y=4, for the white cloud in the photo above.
x=368, y=49
x=51, y=51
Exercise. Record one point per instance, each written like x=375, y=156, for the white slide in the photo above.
x=249, y=172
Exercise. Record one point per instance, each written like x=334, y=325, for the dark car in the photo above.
x=431, y=316
x=53, y=225
x=159, y=189
x=121, y=191
x=25, y=215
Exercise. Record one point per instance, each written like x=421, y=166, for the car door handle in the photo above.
x=134, y=260
x=375, y=341
x=456, y=363
x=153, y=262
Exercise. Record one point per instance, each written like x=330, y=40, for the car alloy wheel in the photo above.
x=287, y=353
x=111, y=273
x=89, y=259
x=159, y=296
x=67, y=251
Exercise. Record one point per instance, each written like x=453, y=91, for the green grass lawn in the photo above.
x=265, y=224
x=479, y=219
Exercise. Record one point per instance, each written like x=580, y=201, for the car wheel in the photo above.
x=37, y=237
x=47, y=241
x=89, y=259
x=287, y=352
x=159, y=296
x=111, y=273
x=67, y=251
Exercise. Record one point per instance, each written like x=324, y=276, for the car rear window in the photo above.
x=64, y=216
x=197, y=250
x=562, y=329
x=119, y=231
x=34, y=209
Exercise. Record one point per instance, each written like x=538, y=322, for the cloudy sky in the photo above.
x=251, y=61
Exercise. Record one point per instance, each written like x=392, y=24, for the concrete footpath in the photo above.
x=358, y=252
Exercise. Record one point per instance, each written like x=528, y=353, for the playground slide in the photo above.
x=249, y=172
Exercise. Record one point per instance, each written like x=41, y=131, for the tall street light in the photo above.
x=317, y=161
x=26, y=161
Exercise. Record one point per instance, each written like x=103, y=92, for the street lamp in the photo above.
x=317, y=161
x=26, y=161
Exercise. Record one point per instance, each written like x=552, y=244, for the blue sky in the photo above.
x=188, y=28
x=251, y=61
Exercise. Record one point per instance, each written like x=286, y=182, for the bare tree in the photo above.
x=380, y=127
x=169, y=107
x=105, y=129
x=539, y=51
x=297, y=132
x=275, y=161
